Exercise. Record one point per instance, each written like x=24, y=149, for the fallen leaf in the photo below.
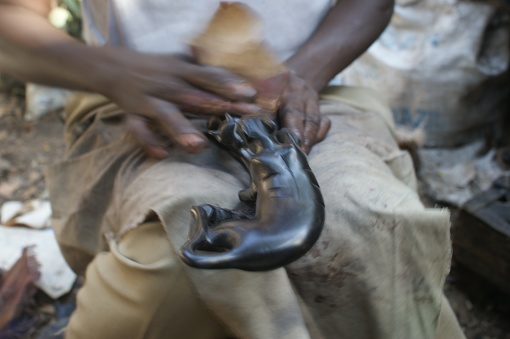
x=4, y=135
x=8, y=188
x=17, y=283
x=5, y=163
x=30, y=192
x=34, y=177
x=5, y=167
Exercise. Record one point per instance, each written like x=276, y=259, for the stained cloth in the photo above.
x=135, y=293
x=377, y=271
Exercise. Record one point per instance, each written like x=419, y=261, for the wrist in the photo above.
x=102, y=69
x=73, y=65
x=107, y=68
x=308, y=77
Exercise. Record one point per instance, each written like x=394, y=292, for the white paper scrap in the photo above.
x=56, y=277
x=9, y=210
x=36, y=218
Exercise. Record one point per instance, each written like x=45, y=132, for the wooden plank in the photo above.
x=481, y=237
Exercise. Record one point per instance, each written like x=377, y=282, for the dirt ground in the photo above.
x=27, y=149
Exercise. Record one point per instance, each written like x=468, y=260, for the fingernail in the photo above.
x=306, y=145
x=242, y=108
x=244, y=89
x=192, y=142
x=159, y=152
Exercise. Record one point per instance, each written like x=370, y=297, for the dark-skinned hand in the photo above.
x=299, y=112
x=157, y=89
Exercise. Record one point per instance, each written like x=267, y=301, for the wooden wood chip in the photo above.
x=234, y=40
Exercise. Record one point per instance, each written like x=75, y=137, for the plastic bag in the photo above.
x=41, y=100
x=442, y=65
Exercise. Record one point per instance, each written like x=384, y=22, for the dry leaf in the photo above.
x=8, y=188
x=5, y=167
x=34, y=177
x=30, y=192
x=17, y=283
x=4, y=135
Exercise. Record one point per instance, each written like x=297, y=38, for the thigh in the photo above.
x=378, y=268
x=139, y=290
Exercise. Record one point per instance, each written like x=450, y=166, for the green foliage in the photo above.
x=73, y=24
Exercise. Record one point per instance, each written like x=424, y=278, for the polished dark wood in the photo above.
x=289, y=208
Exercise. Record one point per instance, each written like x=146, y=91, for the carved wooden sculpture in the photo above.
x=289, y=207
x=289, y=210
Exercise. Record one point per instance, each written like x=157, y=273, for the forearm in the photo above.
x=344, y=34
x=33, y=50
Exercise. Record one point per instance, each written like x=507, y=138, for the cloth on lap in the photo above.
x=376, y=271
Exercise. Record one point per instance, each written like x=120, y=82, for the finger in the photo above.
x=293, y=119
x=324, y=127
x=221, y=82
x=312, y=124
x=178, y=127
x=192, y=100
x=153, y=145
x=241, y=108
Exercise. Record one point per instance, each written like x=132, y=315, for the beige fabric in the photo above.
x=377, y=270
x=176, y=314
x=448, y=325
x=132, y=292
x=78, y=105
x=362, y=98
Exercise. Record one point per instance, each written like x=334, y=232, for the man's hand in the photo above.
x=156, y=90
x=159, y=88
x=300, y=113
x=344, y=33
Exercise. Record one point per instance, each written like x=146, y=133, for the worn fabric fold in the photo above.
x=377, y=271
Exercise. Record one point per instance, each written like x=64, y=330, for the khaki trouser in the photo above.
x=132, y=292
x=139, y=290
x=376, y=271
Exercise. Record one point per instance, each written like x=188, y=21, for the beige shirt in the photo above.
x=163, y=26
